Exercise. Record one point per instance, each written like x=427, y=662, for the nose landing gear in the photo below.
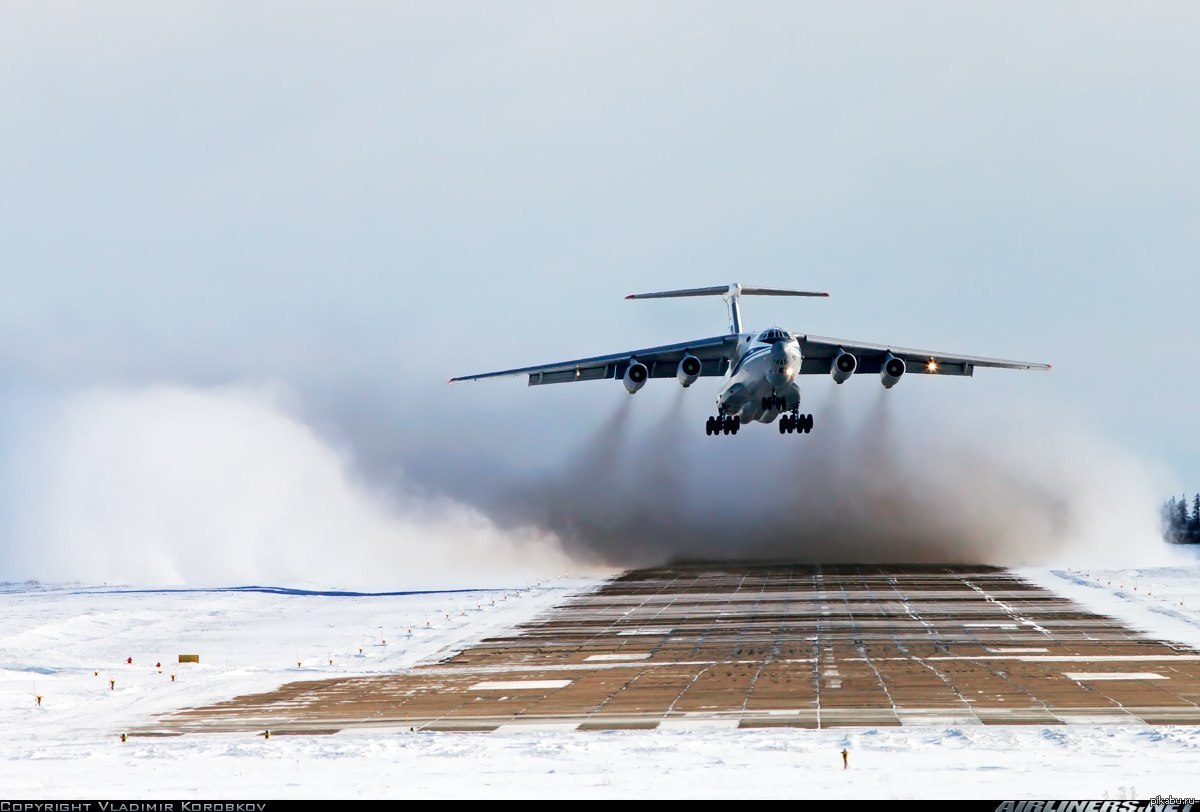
x=773, y=403
x=795, y=422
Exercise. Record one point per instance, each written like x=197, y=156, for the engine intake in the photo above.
x=688, y=370
x=843, y=366
x=635, y=376
x=893, y=370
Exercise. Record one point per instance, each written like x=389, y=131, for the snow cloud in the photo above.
x=170, y=484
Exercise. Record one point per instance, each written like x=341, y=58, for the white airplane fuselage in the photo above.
x=761, y=383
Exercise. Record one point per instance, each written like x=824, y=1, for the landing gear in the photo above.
x=795, y=422
x=773, y=403
x=723, y=424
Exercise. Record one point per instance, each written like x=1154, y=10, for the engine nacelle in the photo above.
x=892, y=372
x=843, y=366
x=688, y=370
x=635, y=377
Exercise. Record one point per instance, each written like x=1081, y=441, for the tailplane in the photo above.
x=730, y=293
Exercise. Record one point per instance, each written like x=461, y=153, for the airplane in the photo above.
x=760, y=369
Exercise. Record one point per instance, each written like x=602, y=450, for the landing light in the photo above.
x=932, y=366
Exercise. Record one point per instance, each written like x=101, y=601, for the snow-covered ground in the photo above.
x=1163, y=602
x=66, y=643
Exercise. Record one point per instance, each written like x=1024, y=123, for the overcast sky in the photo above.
x=360, y=200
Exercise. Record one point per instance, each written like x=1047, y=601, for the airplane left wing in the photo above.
x=714, y=354
x=819, y=354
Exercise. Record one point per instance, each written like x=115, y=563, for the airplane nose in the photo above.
x=780, y=371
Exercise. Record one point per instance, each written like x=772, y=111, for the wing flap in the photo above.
x=592, y=373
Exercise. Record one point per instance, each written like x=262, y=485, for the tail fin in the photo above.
x=730, y=293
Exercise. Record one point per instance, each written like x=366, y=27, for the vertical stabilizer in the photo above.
x=735, y=310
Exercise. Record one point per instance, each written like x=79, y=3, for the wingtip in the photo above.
x=631, y=296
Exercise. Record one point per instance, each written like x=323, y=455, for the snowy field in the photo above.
x=66, y=643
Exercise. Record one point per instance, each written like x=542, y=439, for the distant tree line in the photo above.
x=1181, y=523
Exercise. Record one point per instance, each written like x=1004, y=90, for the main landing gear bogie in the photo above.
x=723, y=424
x=798, y=423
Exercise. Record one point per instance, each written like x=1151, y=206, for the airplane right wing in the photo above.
x=714, y=354
x=819, y=354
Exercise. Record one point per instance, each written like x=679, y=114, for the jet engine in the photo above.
x=635, y=377
x=893, y=370
x=843, y=366
x=688, y=370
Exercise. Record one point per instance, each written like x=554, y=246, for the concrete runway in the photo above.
x=751, y=644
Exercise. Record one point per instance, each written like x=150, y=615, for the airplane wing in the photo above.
x=714, y=353
x=819, y=353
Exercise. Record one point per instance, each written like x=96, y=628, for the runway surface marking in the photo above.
x=763, y=645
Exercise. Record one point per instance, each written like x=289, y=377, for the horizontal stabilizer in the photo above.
x=725, y=290
x=731, y=294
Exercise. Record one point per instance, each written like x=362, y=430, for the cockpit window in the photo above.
x=774, y=335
